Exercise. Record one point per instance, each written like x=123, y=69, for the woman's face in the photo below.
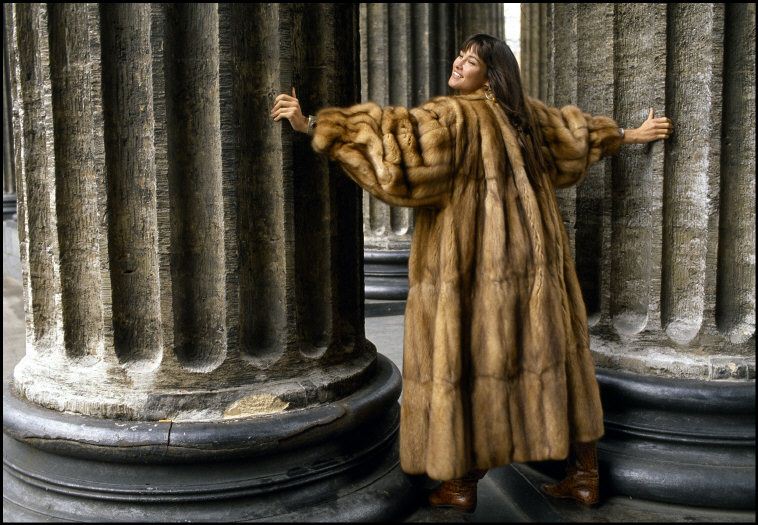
x=469, y=72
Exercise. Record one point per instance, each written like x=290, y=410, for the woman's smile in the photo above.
x=469, y=72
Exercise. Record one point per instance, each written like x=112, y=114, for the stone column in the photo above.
x=406, y=57
x=664, y=238
x=406, y=52
x=480, y=18
x=191, y=273
x=536, y=49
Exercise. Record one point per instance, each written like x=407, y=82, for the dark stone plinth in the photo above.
x=386, y=274
x=9, y=205
x=676, y=441
x=334, y=462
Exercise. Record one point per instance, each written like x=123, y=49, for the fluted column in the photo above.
x=406, y=52
x=388, y=33
x=189, y=265
x=670, y=214
x=537, y=48
x=664, y=233
x=735, y=279
x=480, y=18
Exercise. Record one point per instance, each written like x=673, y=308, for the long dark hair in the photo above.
x=505, y=81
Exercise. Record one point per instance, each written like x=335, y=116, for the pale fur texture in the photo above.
x=496, y=361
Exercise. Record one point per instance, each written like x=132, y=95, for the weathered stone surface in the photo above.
x=191, y=66
x=75, y=180
x=37, y=218
x=664, y=235
x=735, y=307
x=694, y=73
x=128, y=124
x=9, y=168
x=208, y=257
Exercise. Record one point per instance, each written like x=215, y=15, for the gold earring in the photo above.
x=488, y=94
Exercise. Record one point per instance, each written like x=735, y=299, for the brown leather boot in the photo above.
x=458, y=493
x=582, y=482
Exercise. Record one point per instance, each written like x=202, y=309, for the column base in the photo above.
x=678, y=441
x=9, y=205
x=386, y=274
x=333, y=462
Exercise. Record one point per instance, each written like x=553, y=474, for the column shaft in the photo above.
x=265, y=200
x=443, y=45
x=475, y=18
x=693, y=73
x=421, y=53
x=38, y=209
x=639, y=62
x=9, y=174
x=665, y=238
x=209, y=257
x=194, y=174
x=379, y=39
x=736, y=256
x=163, y=212
x=563, y=85
x=76, y=197
x=230, y=253
x=129, y=155
x=594, y=94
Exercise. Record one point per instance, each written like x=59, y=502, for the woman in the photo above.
x=496, y=361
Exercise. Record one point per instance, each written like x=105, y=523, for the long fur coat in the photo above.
x=496, y=361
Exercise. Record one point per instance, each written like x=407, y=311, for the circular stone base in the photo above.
x=649, y=356
x=224, y=393
x=386, y=274
x=334, y=462
x=676, y=441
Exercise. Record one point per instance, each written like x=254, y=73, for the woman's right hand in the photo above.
x=286, y=106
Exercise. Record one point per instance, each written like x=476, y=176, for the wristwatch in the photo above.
x=621, y=130
x=311, y=124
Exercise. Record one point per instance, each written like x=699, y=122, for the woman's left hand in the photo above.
x=650, y=130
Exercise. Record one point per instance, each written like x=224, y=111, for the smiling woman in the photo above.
x=496, y=364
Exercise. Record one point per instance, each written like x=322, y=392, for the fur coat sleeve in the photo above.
x=404, y=157
x=574, y=140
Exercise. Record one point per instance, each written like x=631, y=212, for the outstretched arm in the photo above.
x=404, y=157
x=574, y=140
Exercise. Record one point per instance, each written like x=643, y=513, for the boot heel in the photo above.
x=582, y=484
x=459, y=493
